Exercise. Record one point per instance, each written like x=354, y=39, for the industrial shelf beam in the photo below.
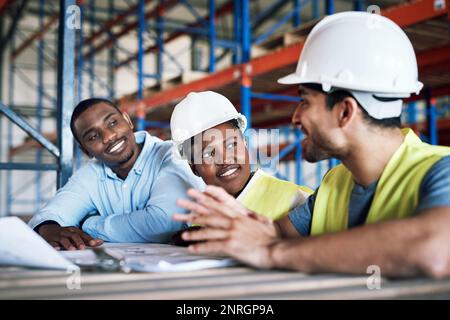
x=65, y=100
x=118, y=20
x=437, y=92
x=127, y=28
x=38, y=34
x=433, y=60
x=416, y=11
x=226, y=8
x=12, y=28
x=25, y=126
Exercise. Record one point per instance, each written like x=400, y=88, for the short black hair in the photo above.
x=234, y=123
x=82, y=106
x=337, y=96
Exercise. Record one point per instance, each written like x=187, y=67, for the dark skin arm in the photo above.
x=68, y=238
x=406, y=247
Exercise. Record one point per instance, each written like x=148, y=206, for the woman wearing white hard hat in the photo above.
x=208, y=132
x=387, y=204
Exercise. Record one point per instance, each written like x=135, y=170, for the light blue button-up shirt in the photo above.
x=137, y=209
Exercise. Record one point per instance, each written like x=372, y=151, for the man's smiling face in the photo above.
x=107, y=135
x=315, y=120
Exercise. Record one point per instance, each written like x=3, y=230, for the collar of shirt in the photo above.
x=141, y=137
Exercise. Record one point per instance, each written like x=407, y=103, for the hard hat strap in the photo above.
x=379, y=107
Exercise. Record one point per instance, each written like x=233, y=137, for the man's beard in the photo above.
x=122, y=162
x=319, y=149
x=315, y=154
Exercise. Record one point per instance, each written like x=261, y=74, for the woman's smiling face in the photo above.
x=224, y=159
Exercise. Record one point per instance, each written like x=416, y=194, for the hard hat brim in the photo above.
x=292, y=78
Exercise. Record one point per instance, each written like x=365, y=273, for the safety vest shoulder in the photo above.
x=272, y=197
x=397, y=192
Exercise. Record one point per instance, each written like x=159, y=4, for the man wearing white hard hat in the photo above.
x=387, y=204
x=208, y=132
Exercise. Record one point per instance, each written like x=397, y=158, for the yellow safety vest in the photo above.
x=397, y=192
x=272, y=197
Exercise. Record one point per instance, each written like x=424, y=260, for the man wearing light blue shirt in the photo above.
x=126, y=194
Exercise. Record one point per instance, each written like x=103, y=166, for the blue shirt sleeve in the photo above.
x=70, y=204
x=435, y=188
x=301, y=216
x=154, y=222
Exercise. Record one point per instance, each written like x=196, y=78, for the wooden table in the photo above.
x=224, y=283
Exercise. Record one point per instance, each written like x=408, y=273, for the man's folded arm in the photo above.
x=67, y=208
x=153, y=223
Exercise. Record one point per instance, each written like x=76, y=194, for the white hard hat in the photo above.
x=358, y=51
x=200, y=111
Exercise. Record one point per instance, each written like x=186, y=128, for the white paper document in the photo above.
x=21, y=246
x=151, y=257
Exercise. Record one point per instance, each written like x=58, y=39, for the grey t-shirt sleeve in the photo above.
x=434, y=192
x=435, y=188
x=301, y=216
